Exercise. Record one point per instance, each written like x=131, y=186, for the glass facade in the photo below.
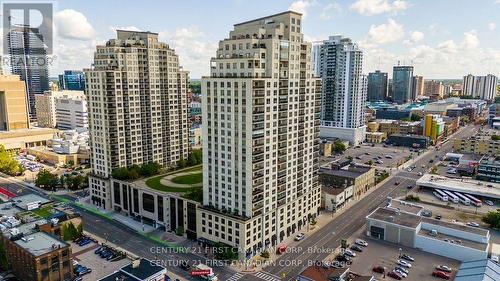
x=72, y=80
x=402, y=77
x=377, y=86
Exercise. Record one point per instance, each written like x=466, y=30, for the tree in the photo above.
x=339, y=147
x=76, y=182
x=198, y=155
x=415, y=117
x=150, y=169
x=8, y=164
x=179, y=231
x=181, y=163
x=120, y=173
x=492, y=218
x=192, y=160
x=46, y=180
x=69, y=231
x=495, y=137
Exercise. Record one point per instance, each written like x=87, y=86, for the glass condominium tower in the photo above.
x=402, y=78
x=261, y=108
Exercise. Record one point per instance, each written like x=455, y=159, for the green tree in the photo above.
x=179, y=231
x=198, y=155
x=8, y=164
x=192, y=160
x=492, y=218
x=495, y=137
x=150, y=169
x=120, y=173
x=46, y=180
x=339, y=147
x=69, y=231
x=181, y=163
x=77, y=182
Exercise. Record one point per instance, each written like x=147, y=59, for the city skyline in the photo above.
x=387, y=31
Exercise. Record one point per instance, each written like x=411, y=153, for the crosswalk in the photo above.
x=235, y=277
x=267, y=276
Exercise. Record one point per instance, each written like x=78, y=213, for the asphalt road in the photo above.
x=346, y=224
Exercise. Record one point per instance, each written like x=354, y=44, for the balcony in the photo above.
x=257, y=191
x=258, y=198
x=257, y=158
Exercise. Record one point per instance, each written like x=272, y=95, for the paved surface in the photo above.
x=352, y=220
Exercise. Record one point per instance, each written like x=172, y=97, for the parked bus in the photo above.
x=463, y=199
x=451, y=197
x=474, y=201
x=441, y=195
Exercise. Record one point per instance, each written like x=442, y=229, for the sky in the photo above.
x=441, y=38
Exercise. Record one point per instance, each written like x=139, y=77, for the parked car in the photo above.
x=394, y=275
x=402, y=269
x=343, y=258
x=444, y=268
x=438, y=217
x=396, y=183
x=404, y=263
x=473, y=224
x=488, y=202
x=419, y=173
x=379, y=269
x=356, y=248
x=361, y=242
x=100, y=249
x=184, y=265
x=349, y=253
x=299, y=237
x=440, y=274
x=403, y=274
x=407, y=257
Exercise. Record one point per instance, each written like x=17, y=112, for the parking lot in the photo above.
x=100, y=267
x=380, y=253
x=379, y=155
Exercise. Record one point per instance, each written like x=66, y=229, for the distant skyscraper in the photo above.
x=434, y=89
x=480, y=87
x=417, y=87
x=28, y=59
x=402, y=77
x=137, y=106
x=260, y=109
x=72, y=80
x=377, y=86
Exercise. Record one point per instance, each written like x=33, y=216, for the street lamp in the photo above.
x=400, y=252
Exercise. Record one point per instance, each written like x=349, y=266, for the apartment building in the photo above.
x=434, y=89
x=477, y=145
x=13, y=103
x=137, y=104
x=417, y=87
x=481, y=87
x=261, y=135
x=65, y=110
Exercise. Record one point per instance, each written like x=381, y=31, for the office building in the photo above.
x=402, y=77
x=434, y=89
x=73, y=80
x=489, y=169
x=261, y=135
x=137, y=114
x=65, y=110
x=13, y=107
x=413, y=141
x=377, y=86
x=433, y=126
x=417, y=87
x=480, y=87
x=344, y=89
x=28, y=59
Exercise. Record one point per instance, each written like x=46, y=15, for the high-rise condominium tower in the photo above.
x=417, y=87
x=28, y=59
x=402, y=77
x=137, y=104
x=260, y=111
x=481, y=87
x=344, y=89
x=377, y=86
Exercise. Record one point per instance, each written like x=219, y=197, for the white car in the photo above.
x=299, y=237
x=403, y=274
x=420, y=173
x=404, y=263
x=488, y=202
x=444, y=268
x=361, y=242
x=350, y=253
x=473, y=224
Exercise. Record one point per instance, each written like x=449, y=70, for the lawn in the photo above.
x=43, y=212
x=189, y=179
x=155, y=182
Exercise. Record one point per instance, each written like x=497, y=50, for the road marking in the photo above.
x=235, y=277
x=267, y=276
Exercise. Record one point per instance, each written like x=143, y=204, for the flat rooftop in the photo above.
x=26, y=132
x=406, y=207
x=352, y=172
x=40, y=243
x=319, y=273
x=332, y=190
x=8, y=209
x=23, y=201
x=475, y=230
x=27, y=228
x=474, y=187
x=392, y=216
x=119, y=275
x=456, y=240
x=144, y=269
x=478, y=270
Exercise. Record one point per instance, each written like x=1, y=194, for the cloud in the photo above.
x=448, y=46
x=301, y=6
x=130, y=27
x=492, y=26
x=193, y=48
x=470, y=40
x=375, y=7
x=385, y=33
x=329, y=10
x=71, y=24
x=415, y=36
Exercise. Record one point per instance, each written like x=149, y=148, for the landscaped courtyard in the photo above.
x=188, y=181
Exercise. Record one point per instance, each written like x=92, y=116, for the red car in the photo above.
x=440, y=274
x=378, y=269
x=394, y=275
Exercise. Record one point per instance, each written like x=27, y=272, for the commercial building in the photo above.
x=393, y=113
x=66, y=110
x=402, y=223
x=344, y=88
x=480, y=189
x=481, y=87
x=402, y=77
x=417, y=87
x=261, y=141
x=73, y=80
x=434, y=126
x=451, y=125
x=360, y=177
x=479, y=144
x=376, y=137
x=334, y=198
x=377, y=86
x=478, y=270
x=13, y=107
x=29, y=61
x=139, y=270
x=489, y=169
x=434, y=89
x=415, y=141
x=24, y=138
x=390, y=127
x=133, y=120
